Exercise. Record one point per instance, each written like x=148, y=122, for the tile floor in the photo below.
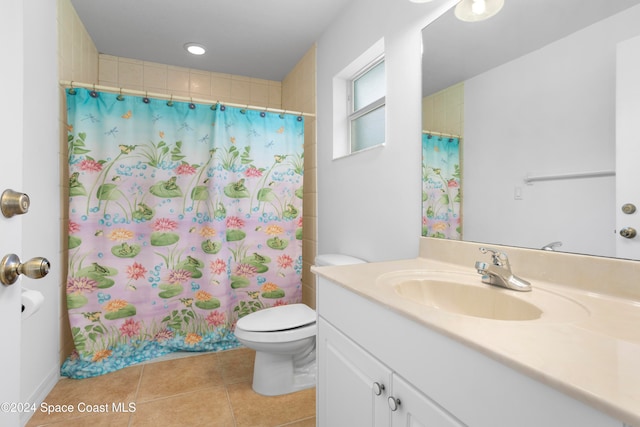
x=212, y=389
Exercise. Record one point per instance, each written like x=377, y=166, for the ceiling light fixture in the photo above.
x=477, y=10
x=195, y=48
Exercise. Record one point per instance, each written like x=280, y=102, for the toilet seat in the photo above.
x=280, y=318
x=283, y=323
x=290, y=335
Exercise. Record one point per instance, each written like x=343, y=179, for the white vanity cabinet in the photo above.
x=358, y=390
x=368, y=353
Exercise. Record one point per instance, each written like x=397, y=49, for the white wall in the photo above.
x=369, y=203
x=562, y=134
x=41, y=181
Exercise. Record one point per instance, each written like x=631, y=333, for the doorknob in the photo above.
x=14, y=203
x=11, y=268
x=628, y=232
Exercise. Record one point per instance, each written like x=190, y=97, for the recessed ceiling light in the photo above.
x=195, y=48
x=477, y=10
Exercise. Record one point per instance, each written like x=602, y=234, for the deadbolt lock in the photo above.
x=628, y=208
x=14, y=203
x=628, y=232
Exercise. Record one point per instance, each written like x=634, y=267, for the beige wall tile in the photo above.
x=108, y=68
x=259, y=94
x=220, y=85
x=298, y=93
x=200, y=83
x=275, y=97
x=444, y=111
x=130, y=73
x=178, y=80
x=155, y=75
x=241, y=90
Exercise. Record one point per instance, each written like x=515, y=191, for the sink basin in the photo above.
x=465, y=294
x=467, y=299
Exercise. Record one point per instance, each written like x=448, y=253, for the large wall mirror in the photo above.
x=520, y=128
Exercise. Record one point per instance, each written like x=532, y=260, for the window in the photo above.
x=359, y=92
x=367, y=108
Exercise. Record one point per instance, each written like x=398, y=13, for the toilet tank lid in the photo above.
x=337, y=259
x=279, y=318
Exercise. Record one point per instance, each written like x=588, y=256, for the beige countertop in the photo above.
x=591, y=353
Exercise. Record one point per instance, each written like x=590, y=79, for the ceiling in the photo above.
x=454, y=50
x=252, y=38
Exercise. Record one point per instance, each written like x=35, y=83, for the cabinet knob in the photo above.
x=378, y=388
x=394, y=403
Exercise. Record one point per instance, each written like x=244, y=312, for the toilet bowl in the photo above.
x=284, y=338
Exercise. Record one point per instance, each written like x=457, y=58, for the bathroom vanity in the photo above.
x=387, y=356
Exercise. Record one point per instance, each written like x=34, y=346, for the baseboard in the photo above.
x=40, y=393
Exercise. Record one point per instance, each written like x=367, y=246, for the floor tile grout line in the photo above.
x=171, y=396
x=296, y=421
x=135, y=395
x=233, y=414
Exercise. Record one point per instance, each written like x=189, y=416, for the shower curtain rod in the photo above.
x=446, y=135
x=123, y=91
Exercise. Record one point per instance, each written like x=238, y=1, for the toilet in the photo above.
x=284, y=338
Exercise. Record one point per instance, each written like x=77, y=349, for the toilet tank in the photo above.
x=337, y=259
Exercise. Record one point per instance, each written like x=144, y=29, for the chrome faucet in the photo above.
x=551, y=246
x=498, y=273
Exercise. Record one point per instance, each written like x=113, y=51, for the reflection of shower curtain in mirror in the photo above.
x=441, y=197
x=182, y=218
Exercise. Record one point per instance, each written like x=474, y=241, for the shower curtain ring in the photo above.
x=93, y=93
x=170, y=101
x=72, y=91
x=120, y=97
x=192, y=105
x=214, y=107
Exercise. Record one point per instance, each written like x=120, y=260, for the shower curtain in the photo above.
x=183, y=218
x=441, y=196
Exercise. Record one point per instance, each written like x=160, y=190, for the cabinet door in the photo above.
x=414, y=409
x=352, y=384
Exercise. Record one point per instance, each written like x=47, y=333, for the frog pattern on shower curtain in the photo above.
x=182, y=218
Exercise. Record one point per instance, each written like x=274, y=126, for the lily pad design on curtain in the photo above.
x=182, y=219
x=441, y=191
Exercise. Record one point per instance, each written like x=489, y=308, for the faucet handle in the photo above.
x=499, y=258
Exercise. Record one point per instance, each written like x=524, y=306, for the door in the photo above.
x=414, y=409
x=11, y=74
x=352, y=384
x=628, y=148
